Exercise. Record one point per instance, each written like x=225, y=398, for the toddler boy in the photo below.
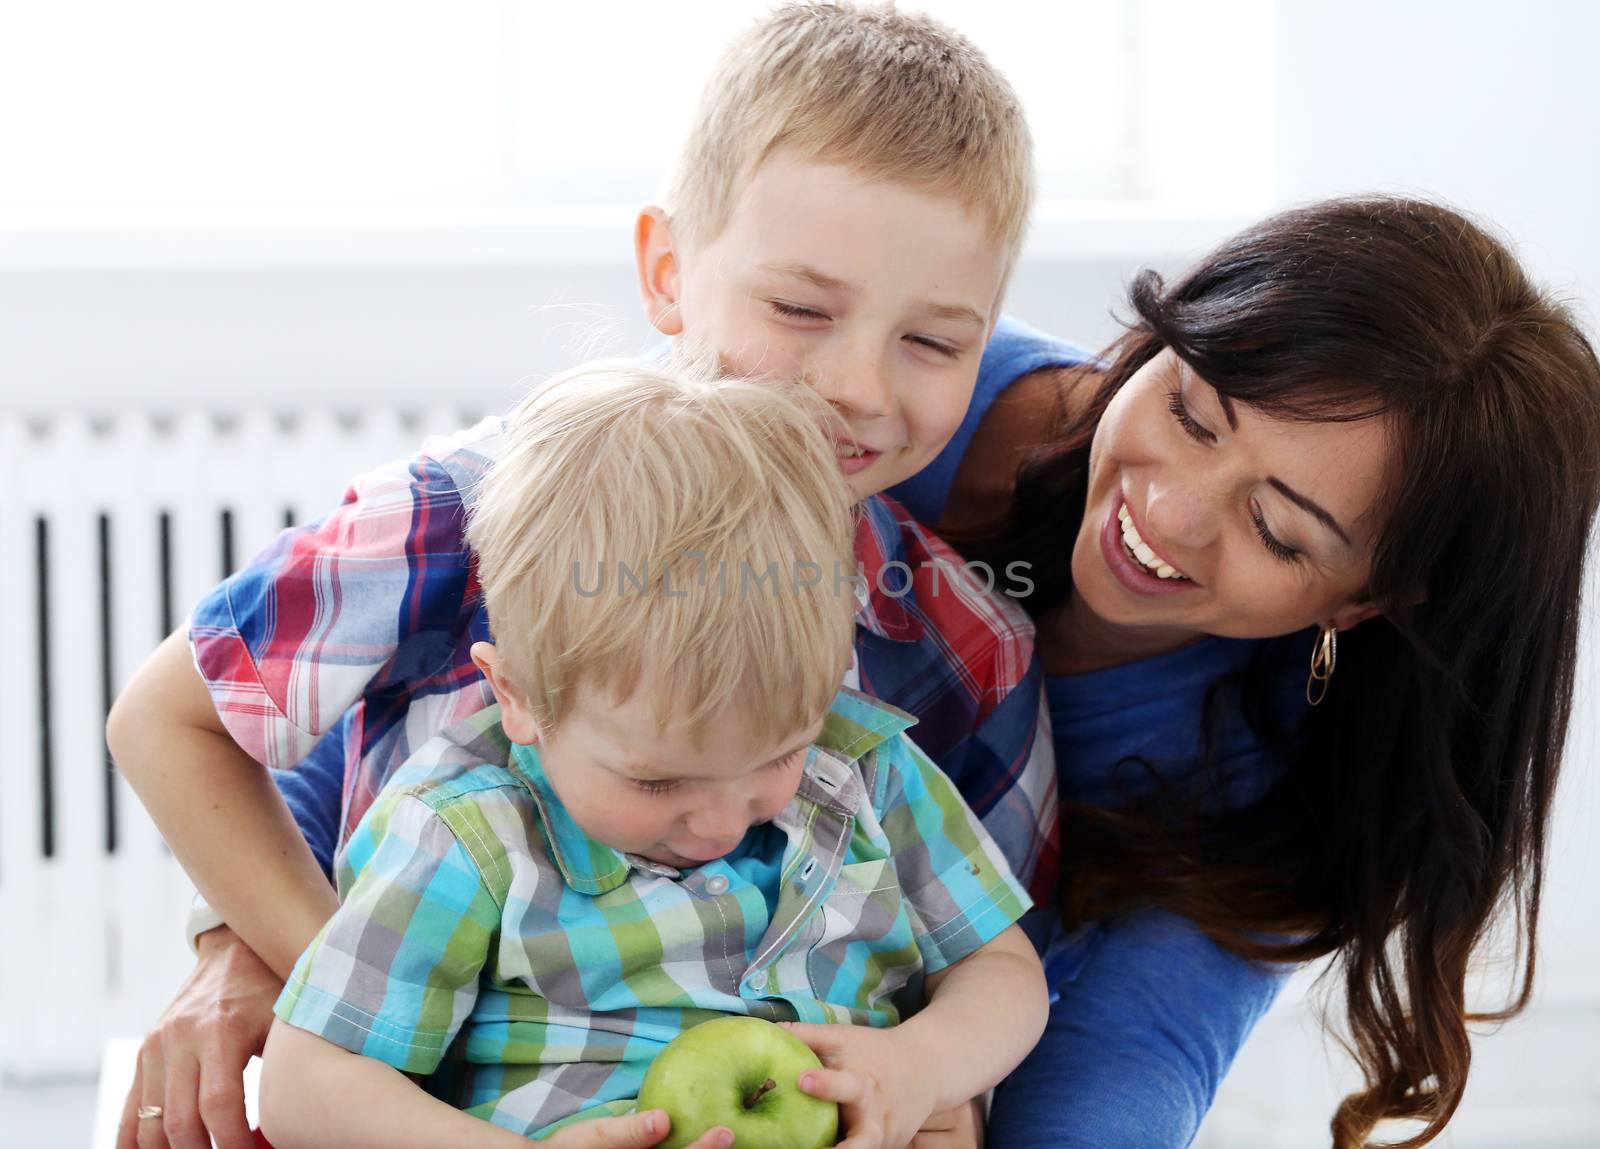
x=671, y=813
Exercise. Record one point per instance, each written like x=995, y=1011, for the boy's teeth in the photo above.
x=1141, y=550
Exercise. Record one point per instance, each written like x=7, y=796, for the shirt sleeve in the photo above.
x=394, y=973
x=1137, y=1043
x=958, y=887
x=372, y=596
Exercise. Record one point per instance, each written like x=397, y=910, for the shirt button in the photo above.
x=758, y=980
x=717, y=884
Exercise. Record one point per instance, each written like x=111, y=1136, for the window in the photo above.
x=189, y=112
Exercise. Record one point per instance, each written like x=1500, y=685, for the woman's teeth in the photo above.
x=1140, y=550
x=848, y=450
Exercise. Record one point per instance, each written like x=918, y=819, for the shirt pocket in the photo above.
x=865, y=957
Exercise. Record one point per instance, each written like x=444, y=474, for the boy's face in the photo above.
x=657, y=793
x=879, y=295
x=652, y=792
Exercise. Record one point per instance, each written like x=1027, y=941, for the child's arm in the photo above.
x=314, y=1093
x=983, y=1015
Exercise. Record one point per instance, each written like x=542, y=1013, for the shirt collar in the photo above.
x=881, y=602
x=855, y=725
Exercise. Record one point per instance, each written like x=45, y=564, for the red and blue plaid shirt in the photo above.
x=344, y=646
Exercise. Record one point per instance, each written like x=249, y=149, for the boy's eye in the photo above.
x=655, y=785
x=787, y=760
x=794, y=310
x=934, y=345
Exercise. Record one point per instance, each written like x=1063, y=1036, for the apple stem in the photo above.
x=751, y=1099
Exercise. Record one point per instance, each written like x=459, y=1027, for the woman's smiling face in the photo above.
x=1205, y=517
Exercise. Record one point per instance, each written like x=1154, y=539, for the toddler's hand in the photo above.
x=884, y=1093
x=958, y=1128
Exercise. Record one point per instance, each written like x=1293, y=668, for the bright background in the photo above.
x=222, y=208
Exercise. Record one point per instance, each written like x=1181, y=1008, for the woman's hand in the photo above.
x=958, y=1128
x=192, y=1063
x=885, y=1091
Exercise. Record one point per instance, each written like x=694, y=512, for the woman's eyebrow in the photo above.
x=1311, y=508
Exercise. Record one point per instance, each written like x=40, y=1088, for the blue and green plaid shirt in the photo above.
x=484, y=939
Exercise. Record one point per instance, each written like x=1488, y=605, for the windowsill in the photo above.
x=564, y=236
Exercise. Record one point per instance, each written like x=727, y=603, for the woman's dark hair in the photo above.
x=1417, y=799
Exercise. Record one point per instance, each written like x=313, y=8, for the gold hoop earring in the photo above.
x=1323, y=656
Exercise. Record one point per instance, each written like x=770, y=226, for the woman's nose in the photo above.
x=1181, y=513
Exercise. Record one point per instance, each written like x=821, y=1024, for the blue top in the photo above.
x=1147, y=1013
x=1014, y=350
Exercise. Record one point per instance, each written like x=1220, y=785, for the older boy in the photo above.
x=667, y=815
x=847, y=211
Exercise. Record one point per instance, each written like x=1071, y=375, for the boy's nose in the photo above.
x=720, y=822
x=857, y=383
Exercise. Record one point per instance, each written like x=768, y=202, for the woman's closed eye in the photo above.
x=1279, y=549
x=1191, y=427
x=1180, y=412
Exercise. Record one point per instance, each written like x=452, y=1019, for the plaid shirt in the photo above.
x=483, y=937
x=344, y=646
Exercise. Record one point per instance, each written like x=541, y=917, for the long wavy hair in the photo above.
x=1415, y=806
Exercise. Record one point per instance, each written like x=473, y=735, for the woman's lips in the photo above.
x=1128, y=572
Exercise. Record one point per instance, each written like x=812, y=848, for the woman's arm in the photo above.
x=1137, y=1043
x=1023, y=418
x=217, y=808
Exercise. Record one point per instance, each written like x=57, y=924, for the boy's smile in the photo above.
x=878, y=294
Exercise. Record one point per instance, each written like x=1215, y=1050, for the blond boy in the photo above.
x=669, y=814
x=846, y=212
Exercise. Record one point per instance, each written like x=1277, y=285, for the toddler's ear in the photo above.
x=516, y=717
x=656, y=255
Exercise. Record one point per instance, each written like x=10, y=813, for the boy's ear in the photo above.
x=516, y=718
x=656, y=257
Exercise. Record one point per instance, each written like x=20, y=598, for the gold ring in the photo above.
x=146, y=1112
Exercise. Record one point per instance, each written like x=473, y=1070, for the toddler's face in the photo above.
x=655, y=792
x=879, y=295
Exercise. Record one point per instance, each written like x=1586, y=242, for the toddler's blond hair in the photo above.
x=666, y=527
x=891, y=95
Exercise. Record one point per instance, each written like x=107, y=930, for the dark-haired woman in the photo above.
x=1307, y=548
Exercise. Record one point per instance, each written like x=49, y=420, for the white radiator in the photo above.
x=110, y=530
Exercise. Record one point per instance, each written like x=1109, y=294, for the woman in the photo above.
x=1354, y=436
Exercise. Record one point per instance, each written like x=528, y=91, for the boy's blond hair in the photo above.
x=666, y=526
x=890, y=95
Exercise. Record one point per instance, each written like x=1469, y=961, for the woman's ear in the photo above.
x=516, y=717
x=1353, y=614
x=655, y=254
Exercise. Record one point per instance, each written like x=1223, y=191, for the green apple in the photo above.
x=744, y=1073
